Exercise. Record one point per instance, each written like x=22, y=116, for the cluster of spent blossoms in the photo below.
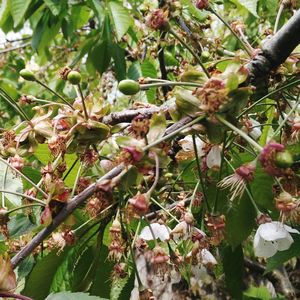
x=160, y=269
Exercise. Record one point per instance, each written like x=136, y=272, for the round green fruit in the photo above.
x=74, y=77
x=27, y=75
x=129, y=87
x=284, y=159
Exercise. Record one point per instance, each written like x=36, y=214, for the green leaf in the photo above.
x=100, y=56
x=39, y=280
x=117, y=286
x=134, y=71
x=25, y=267
x=9, y=181
x=250, y=5
x=120, y=18
x=45, y=31
x=157, y=129
x=282, y=256
x=62, y=280
x=18, y=9
x=42, y=153
x=100, y=286
x=4, y=11
x=72, y=296
x=258, y=292
x=233, y=264
x=80, y=16
x=261, y=188
x=242, y=216
x=118, y=55
x=149, y=70
x=19, y=225
x=54, y=6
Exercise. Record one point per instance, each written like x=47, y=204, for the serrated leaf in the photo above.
x=261, y=293
x=120, y=17
x=54, y=6
x=62, y=280
x=4, y=11
x=39, y=280
x=250, y=5
x=261, y=188
x=117, y=286
x=72, y=296
x=18, y=9
x=100, y=56
x=118, y=55
x=157, y=129
x=25, y=267
x=11, y=182
x=149, y=70
x=282, y=256
x=19, y=225
x=242, y=216
x=233, y=264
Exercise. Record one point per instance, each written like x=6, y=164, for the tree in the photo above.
x=147, y=147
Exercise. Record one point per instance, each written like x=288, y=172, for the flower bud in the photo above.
x=27, y=75
x=129, y=87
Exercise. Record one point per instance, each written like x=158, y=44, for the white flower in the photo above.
x=184, y=231
x=159, y=231
x=213, y=159
x=272, y=237
x=208, y=258
x=188, y=145
x=255, y=131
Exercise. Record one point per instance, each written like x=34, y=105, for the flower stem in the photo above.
x=175, y=132
x=80, y=94
x=24, y=206
x=169, y=83
x=232, y=31
x=150, y=191
x=280, y=10
x=92, y=219
x=240, y=132
x=164, y=209
x=268, y=95
x=220, y=173
x=55, y=93
x=191, y=51
x=287, y=116
x=194, y=195
x=23, y=195
x=24, y=176
x=199, y=173
x=13, y=104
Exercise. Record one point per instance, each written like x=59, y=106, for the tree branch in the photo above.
x=75, y=202
x=276, y=49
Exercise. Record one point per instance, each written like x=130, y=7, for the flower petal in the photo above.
x=290, y=229
x=263, y=248
x=213, y=158
x=159, y=231
x=208, y=258
x=284, y=244
x=272, y=231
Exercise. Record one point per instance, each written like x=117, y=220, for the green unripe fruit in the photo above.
x=74, y=77
x=129, y=87
x=284, y=159
x=27, y=75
